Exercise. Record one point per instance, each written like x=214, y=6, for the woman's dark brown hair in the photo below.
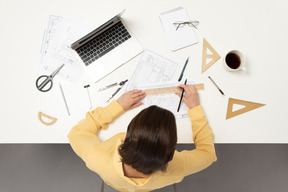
x=150, y=141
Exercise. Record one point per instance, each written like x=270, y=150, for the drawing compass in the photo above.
x=121, y=85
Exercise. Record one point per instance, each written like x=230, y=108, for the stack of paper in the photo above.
x=59, y=34
x=182, y=37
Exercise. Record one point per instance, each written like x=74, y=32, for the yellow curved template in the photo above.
x=53, y=119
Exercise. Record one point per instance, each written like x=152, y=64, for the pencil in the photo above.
x=181, y=97
x=64, y=99
x=216, y=85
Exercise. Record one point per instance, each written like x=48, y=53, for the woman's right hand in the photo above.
x=192, y=98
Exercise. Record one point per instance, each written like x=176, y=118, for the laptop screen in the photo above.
x=95, y=32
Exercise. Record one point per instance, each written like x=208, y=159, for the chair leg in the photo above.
x=174, y=186
x=102, y=186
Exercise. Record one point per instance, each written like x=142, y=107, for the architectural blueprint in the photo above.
x=169, y=101
x=152, y=68
x=155, y=71
x=59, y=34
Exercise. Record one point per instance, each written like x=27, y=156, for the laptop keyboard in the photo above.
x=103, y=43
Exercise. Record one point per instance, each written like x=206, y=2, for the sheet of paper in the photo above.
x=55, y=51
x=151, y=68
x=54, y=23
x=183, y=36
x=167, y=101
x=156, y=71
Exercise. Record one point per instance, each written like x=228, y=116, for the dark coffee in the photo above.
x=233, y=60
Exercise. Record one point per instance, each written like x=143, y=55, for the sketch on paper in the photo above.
x=59, y=34
x=155, y=71
x=152, y=68
x=169, y=101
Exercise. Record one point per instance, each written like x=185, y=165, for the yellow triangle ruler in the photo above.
x=214, y=56
x=248, y=107
x=53, y=119
x=167, y=90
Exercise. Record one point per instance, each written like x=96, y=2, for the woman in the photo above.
x=144, y=158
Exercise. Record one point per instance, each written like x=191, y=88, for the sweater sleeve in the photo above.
x=203, y=137
x=83, y=136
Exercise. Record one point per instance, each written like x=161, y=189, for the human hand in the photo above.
x=192, y=98
x=129, y=100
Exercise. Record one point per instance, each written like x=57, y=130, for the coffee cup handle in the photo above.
x=244, y=69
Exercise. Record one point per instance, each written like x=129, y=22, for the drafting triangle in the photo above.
x=212, y=57
x=248, y=107
x=53, y=119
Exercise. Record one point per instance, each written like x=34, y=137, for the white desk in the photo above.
x=257, y=28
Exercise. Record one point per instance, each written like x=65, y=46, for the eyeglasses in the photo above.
x=192, y=23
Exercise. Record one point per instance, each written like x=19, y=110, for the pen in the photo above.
x=181, y=75
x=64, y=99
x=216, y=85
x=181, y=97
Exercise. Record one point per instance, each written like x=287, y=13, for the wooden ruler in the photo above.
x=166, y=90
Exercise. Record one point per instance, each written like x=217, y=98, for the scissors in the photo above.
x=47, y=80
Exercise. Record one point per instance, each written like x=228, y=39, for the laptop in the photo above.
x=106, y=48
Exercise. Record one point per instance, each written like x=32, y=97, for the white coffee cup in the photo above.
x=234, y=61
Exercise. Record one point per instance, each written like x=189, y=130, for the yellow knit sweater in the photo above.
x=103, y=157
